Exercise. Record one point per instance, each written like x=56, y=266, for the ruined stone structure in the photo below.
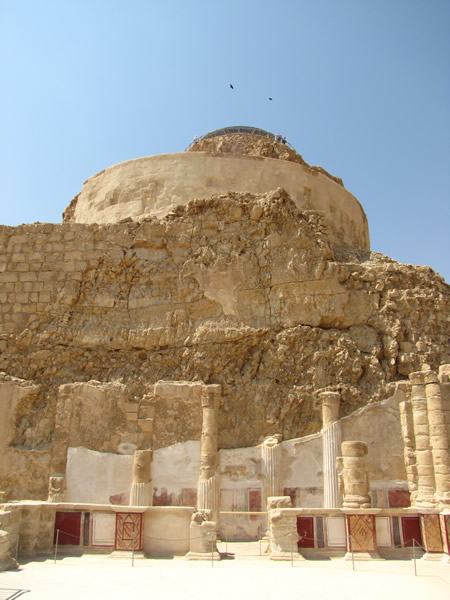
x=353, y=475
x=201, y=333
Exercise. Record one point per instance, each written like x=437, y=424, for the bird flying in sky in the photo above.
x=231, y=86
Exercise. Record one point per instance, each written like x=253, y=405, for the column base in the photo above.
x=203, y=556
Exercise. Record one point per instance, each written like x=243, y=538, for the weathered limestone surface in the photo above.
x=353, y=475
x=141, y=490
x=208, y=484
x=332, y=438
x=283, y=534
x=56, y=488
x=425, y=431
x=241, y=290
x=156, y=185
x=407, y=424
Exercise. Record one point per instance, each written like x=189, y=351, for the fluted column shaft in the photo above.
x=331, y=446
x=271, y=454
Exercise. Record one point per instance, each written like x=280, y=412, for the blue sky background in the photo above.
x=360, y=87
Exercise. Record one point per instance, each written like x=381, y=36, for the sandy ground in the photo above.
x=244, y=575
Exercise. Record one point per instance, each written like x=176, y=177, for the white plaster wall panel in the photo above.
x=336, y=532
x=302, y=462
x=383, y=532
x=94, y=477
x=176, y=467
x=103, y=529
x=242, y=528
x=378, y=425
x=310, y=497
x=240, y=468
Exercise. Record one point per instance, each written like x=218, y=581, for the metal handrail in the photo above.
x=238, y=129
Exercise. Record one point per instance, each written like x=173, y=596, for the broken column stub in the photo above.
x=202, y=533
x=353, y=478
x=141, y=489
x=56, y=488
x=283, y=535
x=331, y=443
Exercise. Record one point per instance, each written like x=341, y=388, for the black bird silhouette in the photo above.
x=270, y=98
x=231, y=87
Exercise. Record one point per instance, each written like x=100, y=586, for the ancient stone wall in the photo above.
x=239, y=290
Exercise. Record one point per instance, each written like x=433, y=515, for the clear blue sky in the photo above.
x=360, y=87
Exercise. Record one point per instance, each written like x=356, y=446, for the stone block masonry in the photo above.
x=241, y=290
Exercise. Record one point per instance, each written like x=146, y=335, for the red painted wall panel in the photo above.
x=411, y=531
x=305, y=529
x=69, y=525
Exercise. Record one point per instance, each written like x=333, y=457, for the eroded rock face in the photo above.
x=240, y=290
x=155, y=186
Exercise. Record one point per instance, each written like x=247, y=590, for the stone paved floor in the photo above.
x=246, y=576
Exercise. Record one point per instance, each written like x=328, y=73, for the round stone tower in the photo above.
x=233, y=159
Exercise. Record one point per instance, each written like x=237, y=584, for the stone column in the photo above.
x=204, y=521
x=208, y=489
x=331, y=443
x=141, y=489
x=271, y=454
x=409, y=448
x=424, y=458
x=353, y=475
x=439, y=442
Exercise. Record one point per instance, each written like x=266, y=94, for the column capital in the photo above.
x=330, y=407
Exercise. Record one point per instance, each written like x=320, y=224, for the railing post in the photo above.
x=414, y=556
x=56, y=545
